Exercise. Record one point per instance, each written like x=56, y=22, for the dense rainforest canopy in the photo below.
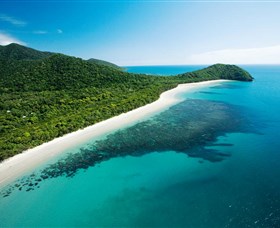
x=45, y=95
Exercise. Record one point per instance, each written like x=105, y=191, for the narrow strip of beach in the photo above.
x=16, y=166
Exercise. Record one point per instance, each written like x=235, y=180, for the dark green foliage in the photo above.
x=105, y=63
x=53, y=95
x=18, y=52
x=221, y=71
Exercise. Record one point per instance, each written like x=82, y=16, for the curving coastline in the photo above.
x=14, y=167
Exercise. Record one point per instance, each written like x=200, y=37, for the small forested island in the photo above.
x=45, y=95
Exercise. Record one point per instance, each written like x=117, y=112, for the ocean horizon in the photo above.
x=210, y=161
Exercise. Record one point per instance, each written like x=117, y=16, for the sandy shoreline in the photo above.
x=14, y=167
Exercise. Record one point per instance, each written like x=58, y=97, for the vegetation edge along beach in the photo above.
x=12, y=168
x=46, y=95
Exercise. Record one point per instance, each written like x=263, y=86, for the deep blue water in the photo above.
x=211, y=161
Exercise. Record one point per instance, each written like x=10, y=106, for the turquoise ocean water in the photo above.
x=211, y=161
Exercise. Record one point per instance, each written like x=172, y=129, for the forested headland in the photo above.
x=45, y=95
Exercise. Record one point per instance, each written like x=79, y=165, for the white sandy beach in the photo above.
x=14, y=167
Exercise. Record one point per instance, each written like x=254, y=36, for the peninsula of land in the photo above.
x=46, y=95
x=14, y=167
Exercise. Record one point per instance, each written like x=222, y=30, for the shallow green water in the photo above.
x=210, y=161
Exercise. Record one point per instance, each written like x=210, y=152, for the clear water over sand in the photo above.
x=211, y=161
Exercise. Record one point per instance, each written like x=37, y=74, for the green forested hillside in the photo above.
x=18, y=52
x=221, y=71
x=50, y=96
x=105, y=63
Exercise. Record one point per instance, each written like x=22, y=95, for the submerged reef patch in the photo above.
x=190, y=127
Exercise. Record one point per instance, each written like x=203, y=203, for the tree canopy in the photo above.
x=45, y=95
